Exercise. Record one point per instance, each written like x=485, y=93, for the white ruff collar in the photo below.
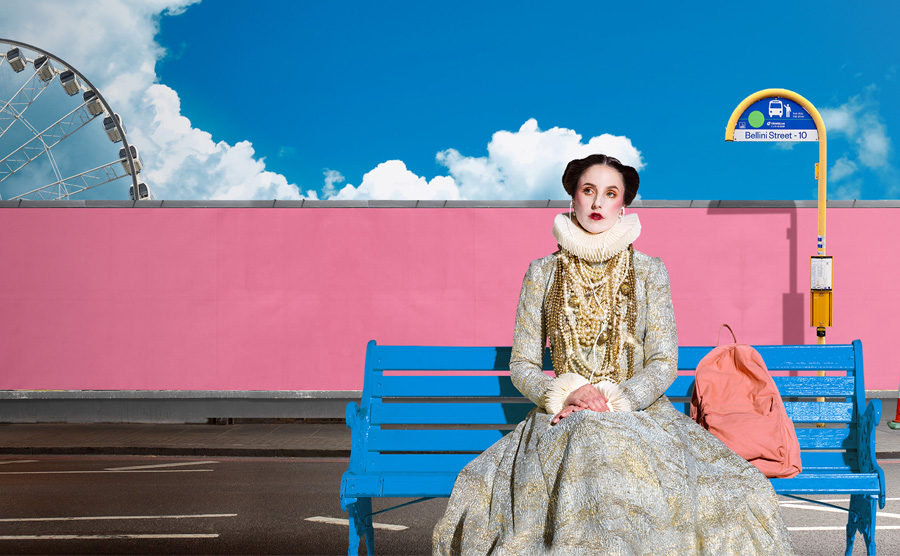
x=595, y=247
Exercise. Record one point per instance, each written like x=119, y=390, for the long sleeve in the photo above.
x=660, y=342
x=530, y=337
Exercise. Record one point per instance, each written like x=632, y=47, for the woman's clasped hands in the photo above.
x=585, y=397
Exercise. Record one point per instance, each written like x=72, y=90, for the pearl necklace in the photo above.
x=592, y=316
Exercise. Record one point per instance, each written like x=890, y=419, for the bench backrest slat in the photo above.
x=424, y=440
x=820, y=412
x=828, y=460
x=788, y=386
x=826, y=439
x=448, y=413
x=836, y=357
x=494, y=386
x=441, y=358
x=430, y=463
x=452, y=463
x=405, y=440
x=450, y=386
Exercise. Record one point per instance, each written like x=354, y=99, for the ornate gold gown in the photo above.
x=649, y=481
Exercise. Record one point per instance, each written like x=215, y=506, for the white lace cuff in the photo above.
x=615, y=396
x=562, y=386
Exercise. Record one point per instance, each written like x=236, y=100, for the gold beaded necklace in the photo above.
x=592, y=316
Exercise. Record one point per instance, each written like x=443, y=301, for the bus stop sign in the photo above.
x=775, y=119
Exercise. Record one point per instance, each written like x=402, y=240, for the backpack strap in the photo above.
x=719, y=337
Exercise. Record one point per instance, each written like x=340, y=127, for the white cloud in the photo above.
x=112, y=43
x=523, y=164
x=392, y=180
x=859, y=120
x=528, y=163
x=332, y=177
x=841, y=119
x=874, y=144
x=842, y=168
x=848, y=190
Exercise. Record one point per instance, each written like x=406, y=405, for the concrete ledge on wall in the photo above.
x=543, y=203
x=170, y=406
x=189, y=406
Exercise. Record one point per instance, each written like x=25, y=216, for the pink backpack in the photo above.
x=736, y=400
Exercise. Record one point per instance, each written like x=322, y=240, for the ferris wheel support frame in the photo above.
x=106, y=106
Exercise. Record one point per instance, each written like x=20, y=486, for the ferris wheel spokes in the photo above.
x=55, y=133
x=76, y=184
x=14, y=108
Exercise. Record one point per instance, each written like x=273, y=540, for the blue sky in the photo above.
x=488, y=99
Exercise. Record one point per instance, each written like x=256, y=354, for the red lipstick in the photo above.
x=596, y=216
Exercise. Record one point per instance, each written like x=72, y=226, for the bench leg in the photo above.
x=862, y=519
x=360, y=524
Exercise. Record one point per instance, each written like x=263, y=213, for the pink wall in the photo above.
x=286, y=298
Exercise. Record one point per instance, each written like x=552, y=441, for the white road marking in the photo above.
x=346, y=522
x=121, y=536
x=112, y=517
x=18, y=461
x=839, y=528
x=159, y=465
x=93, y=472
x=835, y=510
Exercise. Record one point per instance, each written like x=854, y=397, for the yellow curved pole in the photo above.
x=821, y=167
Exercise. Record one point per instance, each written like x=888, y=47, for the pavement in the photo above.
x=242, y=439
x=297, y=439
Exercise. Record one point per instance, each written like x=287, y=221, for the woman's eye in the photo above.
x=611, y=194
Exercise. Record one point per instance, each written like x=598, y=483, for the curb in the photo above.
x=175, y=451
x=210, y=452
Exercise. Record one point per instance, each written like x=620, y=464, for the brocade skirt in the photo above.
x=648, y=482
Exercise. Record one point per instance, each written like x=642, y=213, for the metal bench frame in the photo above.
x=413, y=431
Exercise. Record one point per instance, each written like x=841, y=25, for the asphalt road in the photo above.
x=155, y=505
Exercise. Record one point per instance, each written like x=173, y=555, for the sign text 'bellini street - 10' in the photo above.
x=775, y=119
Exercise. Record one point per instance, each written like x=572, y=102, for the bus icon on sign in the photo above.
x=776, y=108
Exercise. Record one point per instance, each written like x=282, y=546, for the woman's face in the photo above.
x=599, y=197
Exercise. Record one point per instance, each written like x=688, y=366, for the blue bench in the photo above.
x=416, y=427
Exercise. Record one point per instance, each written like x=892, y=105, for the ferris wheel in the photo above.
x=39, y=159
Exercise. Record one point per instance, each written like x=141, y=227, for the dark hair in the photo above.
x=577, y=168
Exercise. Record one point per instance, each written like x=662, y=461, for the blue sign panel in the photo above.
x=775, y=119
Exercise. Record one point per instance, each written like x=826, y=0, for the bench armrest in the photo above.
x=356, y=423
x=352, y=415
x=866, y=445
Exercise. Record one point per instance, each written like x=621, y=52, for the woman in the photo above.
x=605, y=464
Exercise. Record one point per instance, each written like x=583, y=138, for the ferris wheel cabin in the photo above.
x=134, y=156
x=92, y=102
x=69, y=82
x=15, y=59
x=109, y=125
x=43, y=68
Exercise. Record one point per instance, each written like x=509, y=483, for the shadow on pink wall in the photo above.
x=795, y=315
